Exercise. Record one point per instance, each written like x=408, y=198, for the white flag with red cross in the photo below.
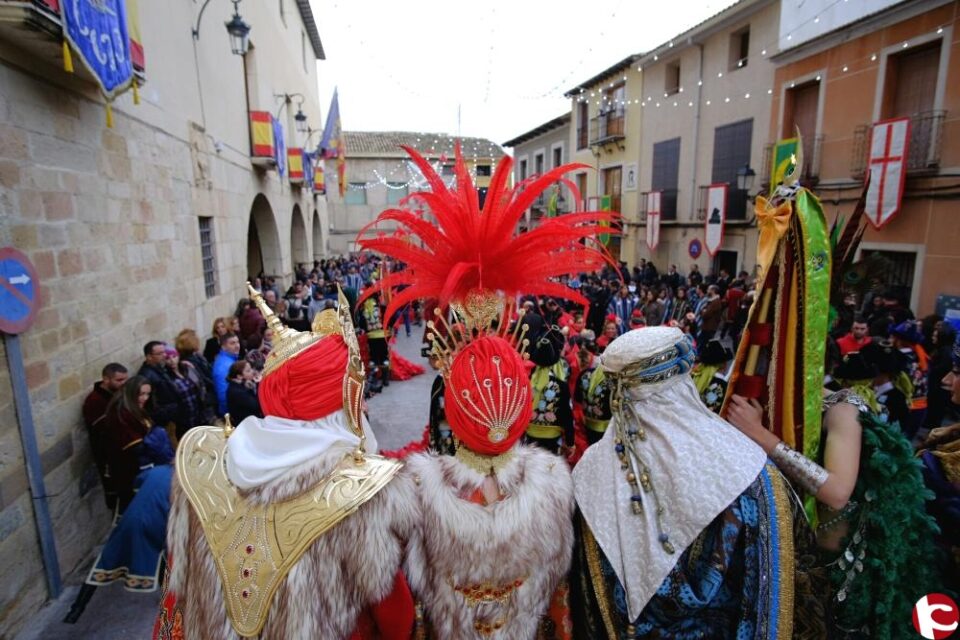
x=716, y=217
x=653, y=219
x=887, y=166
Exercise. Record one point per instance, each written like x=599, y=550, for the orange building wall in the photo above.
x=848, y=102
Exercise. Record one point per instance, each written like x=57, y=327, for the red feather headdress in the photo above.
x=480, y=251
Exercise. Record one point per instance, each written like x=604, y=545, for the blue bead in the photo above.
x=620, y=448
x=636, y=498
x=663, y=537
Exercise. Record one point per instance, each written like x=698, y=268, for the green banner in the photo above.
x=606, y=202
x=784, y=157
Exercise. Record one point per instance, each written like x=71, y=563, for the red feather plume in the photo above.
x=472, y=249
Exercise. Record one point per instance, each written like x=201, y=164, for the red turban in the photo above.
x=309, y=385
x=488, y=401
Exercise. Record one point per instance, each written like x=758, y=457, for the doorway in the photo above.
x=726, y=260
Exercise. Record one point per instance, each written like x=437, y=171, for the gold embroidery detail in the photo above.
x=596, y=577
x=498, y=411
x=484, y=465
x=255, y=546
x=787, y=559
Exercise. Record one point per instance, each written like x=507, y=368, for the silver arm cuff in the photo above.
x=805, y=472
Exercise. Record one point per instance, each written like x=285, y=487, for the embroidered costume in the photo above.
x=685, y=531
x=593, y=395
x=493, y=534
x=286, y=527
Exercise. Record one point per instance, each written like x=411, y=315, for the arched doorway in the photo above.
x=319, y=250
x=298, y=240
x=263, y=240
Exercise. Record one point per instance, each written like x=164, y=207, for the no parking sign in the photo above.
x=19, y=291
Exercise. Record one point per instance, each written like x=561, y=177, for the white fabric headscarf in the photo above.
x=263, y=449
x=698, y=464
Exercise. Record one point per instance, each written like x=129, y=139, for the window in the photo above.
x=208, y=257
x=484, y=170
x=800, y=112
x=909, y=91
x=396, y=191
x=283, y=11
x=671, y=82
x=731, y=151
x=447, y=170
x=538, y=164
x=303, y=49
x=739, y=49
x=666, y=169
x=583, y=115
x=356, y=193
x=582, y=188
x=557, y=157
x=611, y=186
x=523, y=169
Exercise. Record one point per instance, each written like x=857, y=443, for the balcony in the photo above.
x=926, y=143
x=607, y=128
x=668, y=205
x=582, y=137
x=737, y=204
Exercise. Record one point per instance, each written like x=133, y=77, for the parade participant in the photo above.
x=371, y=322
x=863, y=494
x=441, y=436
x=857, y=338
x=592, y=394
x=685, y=531
x=264, y=515
x=888, y=363
x=493, y=536
x=909, y=340
x=551, y=425
x=711, y=373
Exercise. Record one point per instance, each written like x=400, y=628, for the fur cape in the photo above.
x=525, y=538
x=347, y=569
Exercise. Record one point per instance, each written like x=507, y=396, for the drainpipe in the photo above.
x=696, y=136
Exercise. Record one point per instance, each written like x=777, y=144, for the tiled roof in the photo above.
x=387, y=143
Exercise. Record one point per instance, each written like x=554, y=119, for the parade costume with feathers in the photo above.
x=493, y=534
x=286, y=527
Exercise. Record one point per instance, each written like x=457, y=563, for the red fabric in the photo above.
x=750, y=386
x=391, y=619
x=475, y=364
x=761, y=334
x=309, y=385
x=733, y=303
x=403, y=369
x=849, y=344
x=412, y=447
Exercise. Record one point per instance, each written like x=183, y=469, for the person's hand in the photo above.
x=747, y=416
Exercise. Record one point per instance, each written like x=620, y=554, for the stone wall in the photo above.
x=109, y=219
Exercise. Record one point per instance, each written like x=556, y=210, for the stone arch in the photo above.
x=319, y=250
x=299, y=251
x=263, y=240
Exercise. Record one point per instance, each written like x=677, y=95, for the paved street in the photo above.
x=398, y=415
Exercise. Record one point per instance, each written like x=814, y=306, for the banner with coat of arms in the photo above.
x=716, y=217
x=97, y=31
x=653, y=219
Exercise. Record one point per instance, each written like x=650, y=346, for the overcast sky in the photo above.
x=409, y=65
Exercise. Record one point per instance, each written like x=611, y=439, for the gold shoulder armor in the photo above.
x=253, y=545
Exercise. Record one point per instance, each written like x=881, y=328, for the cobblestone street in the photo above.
x=398, y=415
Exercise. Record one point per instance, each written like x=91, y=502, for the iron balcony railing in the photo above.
x=607, y=127
x=925, y=144
x=668, y=204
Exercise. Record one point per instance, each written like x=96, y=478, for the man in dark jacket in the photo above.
x=113, y=376
x=166, y=402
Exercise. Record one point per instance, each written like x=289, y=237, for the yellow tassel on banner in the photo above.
x=109, y=116
x=67, y=58
x=136, y=93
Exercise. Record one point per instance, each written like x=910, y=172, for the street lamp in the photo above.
x=238, y=30
x=745, y=177
x=300, y=120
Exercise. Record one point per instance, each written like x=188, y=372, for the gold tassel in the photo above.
x=67, y=58
x=136, y=92
x=109, y=116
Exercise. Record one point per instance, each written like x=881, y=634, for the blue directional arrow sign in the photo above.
x=19, y=291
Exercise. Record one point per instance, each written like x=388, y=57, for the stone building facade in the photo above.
x=118, y=222
x=541, y=149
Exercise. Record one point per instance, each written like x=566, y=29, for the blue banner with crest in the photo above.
x=279, y=147
x=97, y=31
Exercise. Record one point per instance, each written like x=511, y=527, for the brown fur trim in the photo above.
x=350, y=567
x=526, y=536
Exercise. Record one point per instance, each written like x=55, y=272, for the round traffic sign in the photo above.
x=19, y=291
x=695, y=248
